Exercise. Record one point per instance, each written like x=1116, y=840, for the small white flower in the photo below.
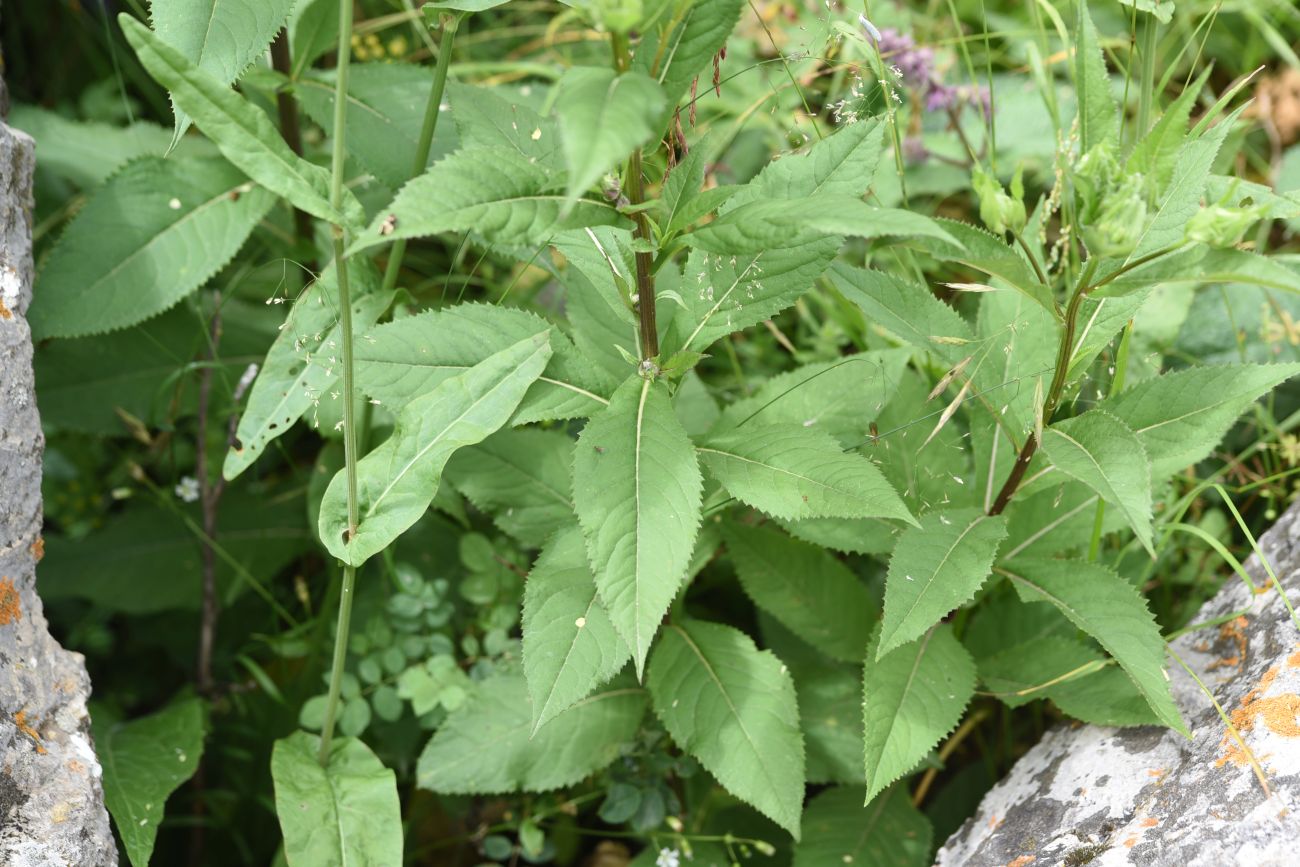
x=668, y=858
x=188, y=489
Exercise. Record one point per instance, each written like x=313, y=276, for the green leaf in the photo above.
x=346, y=813
x=847, y=535
x=152, y=235
x=242, y=132
x=411, y=356
x=637, y=489
x=495, y=117
x=791, y=472
x=805, y=588
x=1111, y=610
x=1156, y=154
x=935, y=568
x=86, y=153
x=397, y=481
x=144, y=761
x=675, y=58
x=570, y=645
x=1104, y=453
x=1104, y=698
x=220, y=37
x=1163, y=10
x=733, y=707
x=603, y=117
x=984, y=252
x=485, y=748
x=913, y=697
x=313, y=31
x=520, y=477
x=906, y=309
x=459, y=6
x=890, y=832
x=1037, y=668
x=683, y=188
x=1180, y=417
x=1098, y=113
x=491, y=191
x=303, y=363
x=843, y=164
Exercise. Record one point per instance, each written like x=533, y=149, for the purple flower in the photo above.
x=915, y=151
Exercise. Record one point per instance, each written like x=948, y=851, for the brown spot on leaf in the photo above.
x=11, y=606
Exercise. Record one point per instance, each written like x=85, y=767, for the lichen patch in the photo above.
x=11, y=606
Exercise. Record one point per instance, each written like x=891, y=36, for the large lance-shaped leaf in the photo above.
x=145, y=760
x=637, y=487
x=982, y=251
x=843, y=164
x=345, y=814
x=936, y=567
x=1098, y=114
x=397, y=481
x=912, y=698
x=221, y=37
x=243, y=132
x=791, y=472
x=804, y=587
x=485, y=748
x=603, y=118
x=1180, y=417
x=733, y=707
x=153, y=234
x=491, y=191
x=678, y=56
x=487, y=117
x=570, y=645
x=411, y=356
x=1111, y=610
x=890, y=832
x=1106, y=455
x=522, y=478
x=304, y=362
x=907, y=309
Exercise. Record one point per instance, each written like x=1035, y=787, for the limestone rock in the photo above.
x=51, y=799
x=1148, y=796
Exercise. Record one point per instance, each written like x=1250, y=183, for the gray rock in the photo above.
x=51, y=799
x=1105, y=796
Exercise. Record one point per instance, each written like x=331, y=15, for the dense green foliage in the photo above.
x=639, y=430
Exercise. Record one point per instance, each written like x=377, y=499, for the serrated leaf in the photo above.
x=410, y=357
x=1100, y=450
x=221, y=37
x=1098, y=113
x=733, y=708
x=637, y=490
x=982, y=251
x=1100, y=319
x=570, y=646
x=791, y=472
x=1033, y=669
x=1111, y=610
x=1105, y=698
x=889, y=832
x=304, y=362
x=242, y=132
x=603, y=117
x=1156, y=154
x=520, y=477
x=935, y=568
x=1180, y=417
x=492, y=117
x=806, y=589
x=313, y=30
x=144, y=761
x=150, y=236
x=490, y=191
x=343, y=814
x=484, y=747
x=678, y=56
x=913, y=697
x=397, y=481
x=907, y=309
x=87, y=153
x=846, y=535
x=843, y=164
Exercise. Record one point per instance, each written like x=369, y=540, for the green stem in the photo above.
x=349, y=408
x=425, y=143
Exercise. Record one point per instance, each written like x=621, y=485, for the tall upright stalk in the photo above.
x=349, y=409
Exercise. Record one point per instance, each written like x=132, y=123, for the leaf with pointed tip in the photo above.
x=890, y=832
x=843, y=164
x=409, y=357
x=485, y=748
x=570, y=646
x=1098, y=114
x=150, y=236
x=1111, y=610
x=806, y=589
x=907, y=309
x=733, y=707
x=603, y=117
x=1104, y=453
x=1156, y=154
x=344, y=812
x=242, y=132
x=677, y=57
x=791, y=472
x=495, y=117
x=637, y=489
x=935, y=568
x=493, y=192
x=846, y=535
x=302, y=364
x=913, y=697
x=522, y=478
x=397, y=481
x=1105, y=698
x=982, y=251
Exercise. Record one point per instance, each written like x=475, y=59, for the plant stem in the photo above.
x=425, y=143
x=345, y=327
x=289, y=128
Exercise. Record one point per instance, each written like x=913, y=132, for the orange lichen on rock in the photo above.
x=1293, y=661
x=11, y=607
x=1149, y=822
x=1280, y=713
x=1022, y=861
x=1130, y=842
x=5, y=312
x=38, y=548
x=20, y=721
x=1235, y=631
